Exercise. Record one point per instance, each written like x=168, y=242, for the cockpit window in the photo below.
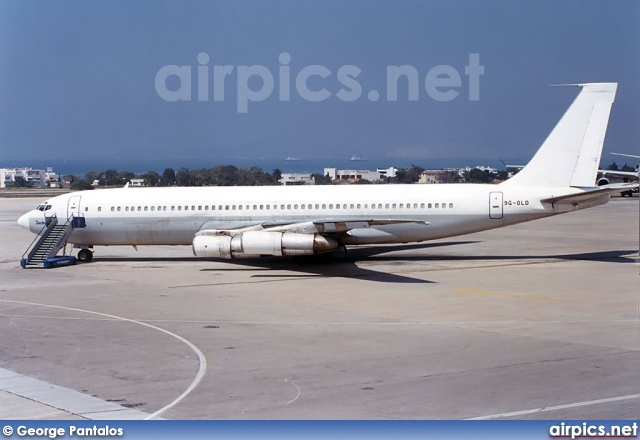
x=43, y=207
x=47, y=208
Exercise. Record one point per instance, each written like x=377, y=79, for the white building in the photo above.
x=432, y=176
x=387, y=172
x=372, y=176
x=53, y=179
x=297, y=179
x=34, y=178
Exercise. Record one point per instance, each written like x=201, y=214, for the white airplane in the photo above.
x=626, y=175
x=232, y=222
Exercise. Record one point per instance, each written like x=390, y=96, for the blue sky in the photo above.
x=77, y=79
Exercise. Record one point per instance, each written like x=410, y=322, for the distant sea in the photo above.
x=80, y=167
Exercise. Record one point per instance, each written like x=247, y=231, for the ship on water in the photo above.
x=292, y=158
x=358, y=159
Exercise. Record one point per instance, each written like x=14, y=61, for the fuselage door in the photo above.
x=495, y=205
x=73, y=206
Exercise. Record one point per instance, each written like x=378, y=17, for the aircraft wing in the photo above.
x=626, y=155
x=590, y=193
x=619, y=173
x=341, y=225
x=293, y=239
x=320, y=226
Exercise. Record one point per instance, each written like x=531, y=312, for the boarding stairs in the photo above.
x=44, y=249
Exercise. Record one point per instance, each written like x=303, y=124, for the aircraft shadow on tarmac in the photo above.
x=344, y=266
x=339, y=265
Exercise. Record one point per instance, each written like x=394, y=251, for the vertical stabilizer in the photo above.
x=571, y=153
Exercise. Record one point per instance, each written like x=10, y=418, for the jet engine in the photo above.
x=256, y=243
x=602, y=181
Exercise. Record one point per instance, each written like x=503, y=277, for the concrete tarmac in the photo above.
x=539, y=320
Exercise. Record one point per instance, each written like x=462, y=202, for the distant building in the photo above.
x=356, y=175
x=297, y=179
x=432, y=176
x=461, y=171
x=56, y=184
x=53, y=179
x=33, y=178
x=68, y=180
x=137, y=182
x=387, y=172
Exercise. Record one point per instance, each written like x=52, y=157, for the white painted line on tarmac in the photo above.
x=557, y=407
x=298, y=395
x=203, y=360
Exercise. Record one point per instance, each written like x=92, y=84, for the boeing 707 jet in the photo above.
x=234, y=222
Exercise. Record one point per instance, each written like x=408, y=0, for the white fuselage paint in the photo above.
x=172, y=216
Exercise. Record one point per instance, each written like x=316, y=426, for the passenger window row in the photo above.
x=282, y=207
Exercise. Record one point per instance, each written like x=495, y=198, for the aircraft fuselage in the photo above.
x=172, y=216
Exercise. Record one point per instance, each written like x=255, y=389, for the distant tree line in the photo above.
x=230, y=175
x=20, y=182
x=476, y=175
x=223, y=175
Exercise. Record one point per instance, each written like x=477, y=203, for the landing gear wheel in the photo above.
x=85, y=256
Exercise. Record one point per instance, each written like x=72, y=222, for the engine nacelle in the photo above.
x=255, y=243
x=216, y=246
x=602, y=181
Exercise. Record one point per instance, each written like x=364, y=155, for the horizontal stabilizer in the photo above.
x=591, y=193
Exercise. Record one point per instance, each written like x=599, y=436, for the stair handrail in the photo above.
x=65, y=236
x=40, y=237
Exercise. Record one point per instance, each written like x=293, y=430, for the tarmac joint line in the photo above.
x=506, y=295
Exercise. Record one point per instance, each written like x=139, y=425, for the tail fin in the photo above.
x=571, y=153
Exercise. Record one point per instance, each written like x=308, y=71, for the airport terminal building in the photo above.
x=33, y=178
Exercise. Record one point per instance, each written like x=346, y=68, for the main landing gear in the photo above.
x=85, y=256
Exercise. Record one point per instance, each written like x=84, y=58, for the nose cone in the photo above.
x=24, y=221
